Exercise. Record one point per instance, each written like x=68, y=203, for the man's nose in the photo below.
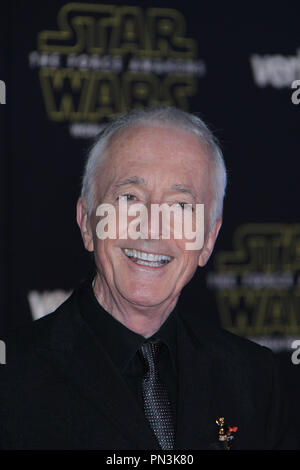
x=153, y=229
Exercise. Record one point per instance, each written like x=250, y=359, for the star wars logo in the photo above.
x=258, y=283
x=105, y=59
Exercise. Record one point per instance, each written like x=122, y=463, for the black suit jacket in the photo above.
x=60, y=390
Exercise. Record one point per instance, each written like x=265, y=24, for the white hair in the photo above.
x=166, y=116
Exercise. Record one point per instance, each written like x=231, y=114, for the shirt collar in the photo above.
x=121, y=343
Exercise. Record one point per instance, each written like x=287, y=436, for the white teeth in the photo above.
x=147, y=263
x=143, y=258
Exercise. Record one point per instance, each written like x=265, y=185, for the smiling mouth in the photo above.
x=153, y=260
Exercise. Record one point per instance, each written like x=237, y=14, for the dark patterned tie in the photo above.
x=157, y=405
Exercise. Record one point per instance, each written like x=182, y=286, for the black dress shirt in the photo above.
x=122, y=346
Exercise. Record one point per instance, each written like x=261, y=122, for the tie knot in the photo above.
x=150, y=351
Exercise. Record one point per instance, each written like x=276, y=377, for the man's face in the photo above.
x=151, y=165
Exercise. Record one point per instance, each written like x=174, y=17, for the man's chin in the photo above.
x=139, y=299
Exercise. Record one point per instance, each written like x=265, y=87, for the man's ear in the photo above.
x=84, y=225
x=209, y=243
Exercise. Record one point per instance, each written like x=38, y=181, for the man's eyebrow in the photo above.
x=183, y=189
x=140, y=181
x=130, y=180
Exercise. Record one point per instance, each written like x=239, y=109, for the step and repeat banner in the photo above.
x=69, y=68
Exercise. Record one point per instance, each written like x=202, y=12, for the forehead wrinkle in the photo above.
x=130, y=180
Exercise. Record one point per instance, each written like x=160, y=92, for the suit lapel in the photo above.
x=196, y=427
x=83, y=360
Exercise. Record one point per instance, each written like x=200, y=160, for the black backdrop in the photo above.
x=69, y=68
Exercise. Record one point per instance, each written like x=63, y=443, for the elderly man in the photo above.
x=118, y=366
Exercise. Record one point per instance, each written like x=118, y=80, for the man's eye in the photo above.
x=127, y=197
